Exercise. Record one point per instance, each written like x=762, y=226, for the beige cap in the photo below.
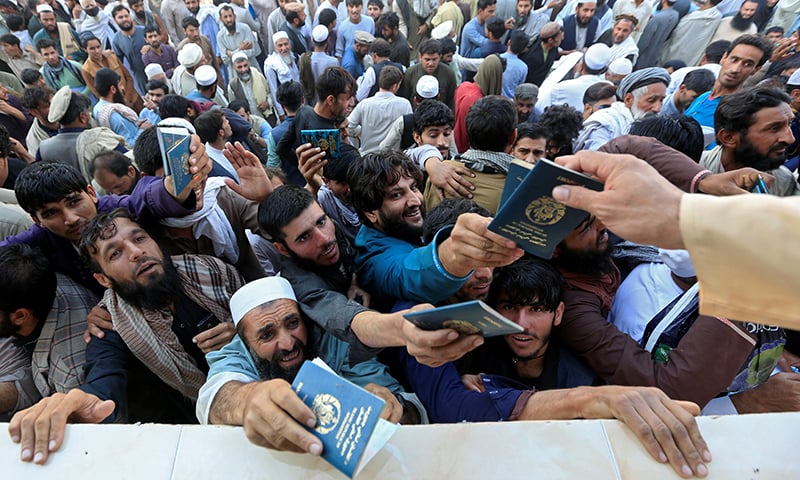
x=59, y=104
x=364, y=38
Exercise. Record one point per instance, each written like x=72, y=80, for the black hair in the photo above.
x=101, y=227
x=532, y=130
x=85, y=39
x=151, y=28
x=369, y=178
x=754, y=40
x=336, y=168
x=43, y=43
x=432, y=113
x=430, y=46
x=156, y=84
x=279, y=209
x=389, y=19
x=491, y=122
x=773, y=29
x=15, y=22
x=147, y=152
x=564, y=123
x=529, y=281
x=112, y=160
x=27, y=280
x=736, y=112
x=10, y=39
x=482, y=4
x=334, y=81
x=290, y=16
x=496, y=26
x=448, y=46
x=715, y=50
x=104, y=79
x=353, y=3
x=239, y=103
x=377, y=3
x=327, y=18
x=599, y=91
x=29, y=76
x=381, y=48
x=34, y=97
x=117, y=9
x=5, y=142
x=517, y=41
x=78, y=104
x=208, y=124
x=226, y=7
x=446, y=213
x=45, y=182
x=290, y=94
x=189, y=21
x=173, y=105
x=680, y=132
x=700, y=80
x=389, y=76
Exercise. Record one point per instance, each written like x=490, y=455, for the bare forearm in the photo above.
x=227, y=408
x=378, y=330
x=556, y=404
x=8, y=396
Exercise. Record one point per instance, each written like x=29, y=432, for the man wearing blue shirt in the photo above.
x=473, y=37
x=348, y=28
x=111, y=111
x=516, y=70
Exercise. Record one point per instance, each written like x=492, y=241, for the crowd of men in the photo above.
x=124, y=300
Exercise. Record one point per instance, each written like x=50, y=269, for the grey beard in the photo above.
x=287, y=59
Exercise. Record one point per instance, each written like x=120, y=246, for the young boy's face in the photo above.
x=340, y=189
x=68, y=217
x=439, y=136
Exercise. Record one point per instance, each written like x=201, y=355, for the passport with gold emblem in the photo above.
x=348, y=417
x=466, y=318
x=532, y=217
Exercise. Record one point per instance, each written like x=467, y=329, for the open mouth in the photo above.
x=146, y=268
x=291, y=358
x=330, y=251
x=413, y=214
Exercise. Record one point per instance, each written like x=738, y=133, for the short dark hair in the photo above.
x=773, y=29
x=117, y=9
x=173, y=105
x=754, y=40
x=104, y=79
x=517, y=41
x=30, y=76
x=208, y=124
x=327, y=18
x=335, y=81
x=528, y=281
x=430, y=46
x=736, y=112
x=369, y=178
x=353, y=3
x=85, y=39
x=101, y=227
x=532, y=130
x=187, y=21
x=336, y=168
x=491, y=122
x=715, y=50
x=47, y=182
x=291, y=16
x=446, y=213
x=680, y=132
x=381, y=48
x=377, y=3
x=10, y=39
x=389, y=76
x=43, y=43
x=599, y=91
x=389, y=19
x=496, y=26
x=482, y=4
x=239, y=103
x=5, y=142
x=15, y=22
x=156, y=84
x=112, y=160
x=78, y=104
x=279, y=209
x=290, y=94
x=225, y=6
x=448, y=46
x=147, y=152
x=700, y=80
x=151, y=28
x=432, y=113
x=35, y=97
x=564, y=123
x=27, y=280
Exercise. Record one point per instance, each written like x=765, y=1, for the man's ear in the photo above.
x=628, y=100
x=728, y=139
x=281, y=248
x=372, y=216
x=417, y=138
x=131, y=171
x=102, y=280
x=559, y=313
x=21, y=316
x=92, y=193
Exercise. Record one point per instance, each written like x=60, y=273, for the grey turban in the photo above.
x=642, y=78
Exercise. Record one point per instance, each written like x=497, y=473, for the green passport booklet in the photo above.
x=531, y=216
x=348, y=417
x=465, y=318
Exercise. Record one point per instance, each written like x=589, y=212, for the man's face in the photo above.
x=228, y=19
x=649, y=102
x=523, y=8
x=537, y=322
x=748, y=9
x=738, y=65
x=430, y=62
x=530, y=150
x=439, y=136
x=524, y=108
x=242, y=66
x=584, y=13
x=192, y=33
x=486, y=13
x=68, y=217
x=598, y=105
x=354, y=13
x=12, y=51
x=114, y=184
x=360, y=49
x=42, y=111
x=138, y=8
x=155, y=95
x=477, y=285
x=94, y=50
x=622, y=30
x=764, y=145
x=311, y=237
x=193, y=6
x=774, y=37
x=340, y=189
x=153, y=39
x=50, y=55
x=448, y=57
x=123, y=19
x=283, y=47
x=373, y=11
x=227, y=132
x=684, y=97
x=387, y=32
x=401, y=213
x=277, y=337
x=585, y=249
x=343, y=104
x=48, y=21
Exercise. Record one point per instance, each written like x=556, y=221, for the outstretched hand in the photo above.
x=253, y=181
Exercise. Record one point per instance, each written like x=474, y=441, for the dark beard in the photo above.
x=591, y=263
x=741, y=24
x=231, y=28
x=398, y=228
x=162, y=291
x=118, y=97
x=747, y=155
x=267, y=370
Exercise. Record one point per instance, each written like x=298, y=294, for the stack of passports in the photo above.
x=174, y=143
x=529, y=214
x=348, y=417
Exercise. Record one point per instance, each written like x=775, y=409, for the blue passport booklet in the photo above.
x=466, y=318
x=348, y=417
x=327, y=140
x=174, y=143
x=516, y=173
x=532, y=217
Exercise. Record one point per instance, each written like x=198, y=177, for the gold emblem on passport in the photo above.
x=461, y=326
x=545, y=211
x=327, y=409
